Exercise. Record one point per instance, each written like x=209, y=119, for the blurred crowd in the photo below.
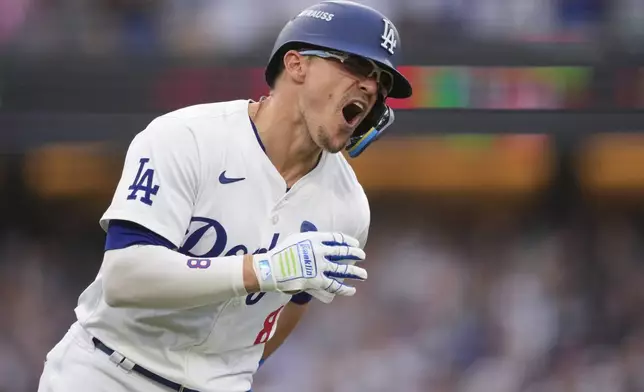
x=484, y=299
x=227, y=27
x=470, y=302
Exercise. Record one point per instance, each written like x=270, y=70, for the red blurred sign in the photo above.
x=452, y=87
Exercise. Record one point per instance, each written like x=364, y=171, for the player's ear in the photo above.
x=295, y=65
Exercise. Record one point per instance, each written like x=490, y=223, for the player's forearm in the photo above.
x=289, y=318
x=157, y=277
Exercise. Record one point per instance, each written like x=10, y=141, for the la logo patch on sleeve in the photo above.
x=143, y=182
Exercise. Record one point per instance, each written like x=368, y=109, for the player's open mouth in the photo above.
x=352, y=112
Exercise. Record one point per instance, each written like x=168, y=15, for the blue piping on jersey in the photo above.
x=259, y=140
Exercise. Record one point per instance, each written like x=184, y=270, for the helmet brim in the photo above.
x=402, y=88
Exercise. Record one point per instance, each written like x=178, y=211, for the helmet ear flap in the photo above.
x=371, y=128
x=370, y=120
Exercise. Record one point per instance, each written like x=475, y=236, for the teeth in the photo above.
x=360, y=105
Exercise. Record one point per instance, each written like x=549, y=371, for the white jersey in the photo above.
x=199, y=178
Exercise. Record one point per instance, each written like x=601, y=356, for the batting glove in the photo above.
x=311, y=261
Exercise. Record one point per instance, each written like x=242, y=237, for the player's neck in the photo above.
x=285, y=138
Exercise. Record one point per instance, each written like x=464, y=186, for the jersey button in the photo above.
x=275, y=219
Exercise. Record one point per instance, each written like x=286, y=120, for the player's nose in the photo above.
x=369, y=85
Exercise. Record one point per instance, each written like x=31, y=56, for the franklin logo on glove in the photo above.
x=305, y=251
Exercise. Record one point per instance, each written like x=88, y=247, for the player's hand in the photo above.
x=326, y=296
x=311, y=261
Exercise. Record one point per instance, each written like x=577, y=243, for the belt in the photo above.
x=120, y=360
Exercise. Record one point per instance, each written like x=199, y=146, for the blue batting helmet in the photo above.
x=350, y=28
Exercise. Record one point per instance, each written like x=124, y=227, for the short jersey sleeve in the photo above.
x=363, y=220
x=363, y=235
x=159, y=182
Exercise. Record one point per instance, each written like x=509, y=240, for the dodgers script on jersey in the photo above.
x=199, y=177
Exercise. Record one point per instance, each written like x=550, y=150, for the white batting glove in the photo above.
x=311, y=261
x=326, y=296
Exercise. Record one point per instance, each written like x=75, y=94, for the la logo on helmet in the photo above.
x=388, y=37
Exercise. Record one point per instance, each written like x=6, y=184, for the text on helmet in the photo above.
x=317, y=14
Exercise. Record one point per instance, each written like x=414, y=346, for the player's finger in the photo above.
x=337, y=288
x=340, y=253
x=344, y=249
x=346, y=271
x=339, y=239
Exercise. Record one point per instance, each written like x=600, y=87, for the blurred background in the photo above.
x=506, y=251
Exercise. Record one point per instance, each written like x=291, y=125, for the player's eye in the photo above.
x=366, y=69
x=359, y=66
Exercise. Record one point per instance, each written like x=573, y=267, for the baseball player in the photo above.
x=229, y=217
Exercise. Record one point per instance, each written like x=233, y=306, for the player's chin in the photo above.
x=336, y=144
x=341, y=138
